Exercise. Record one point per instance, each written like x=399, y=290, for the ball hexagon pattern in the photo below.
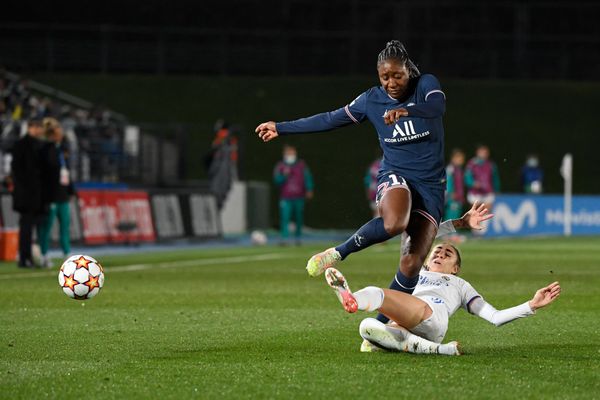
x=81, y=277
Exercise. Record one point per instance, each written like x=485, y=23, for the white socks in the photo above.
x=399, y=338
x=369, y=298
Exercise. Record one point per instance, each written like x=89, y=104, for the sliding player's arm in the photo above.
x=471, y=220
x=544, y=296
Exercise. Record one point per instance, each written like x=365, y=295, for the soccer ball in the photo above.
x=81, y=277
x=258, y=238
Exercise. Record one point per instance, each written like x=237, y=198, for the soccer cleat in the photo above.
x=383, y=335
x=323, y=260
x=338, y=283
x=368, y=347
x=450, y=349
x=397, y=338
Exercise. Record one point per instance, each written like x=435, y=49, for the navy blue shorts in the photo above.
x=427, y=200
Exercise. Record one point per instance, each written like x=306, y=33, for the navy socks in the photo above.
x=370, y=233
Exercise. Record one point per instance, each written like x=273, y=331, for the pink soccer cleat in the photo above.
x=338, y=283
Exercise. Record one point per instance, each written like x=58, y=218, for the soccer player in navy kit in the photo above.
x=406, y=111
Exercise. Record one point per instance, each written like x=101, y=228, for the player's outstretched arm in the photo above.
x=474, y=217
x=267, y=131
x=542, y=298
x=545, y=296
x=471, y=220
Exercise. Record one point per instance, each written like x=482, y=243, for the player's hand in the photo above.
x=310, y=195
x=267, y=131
x=545, y=296
x=475, y=216
x=391, y=116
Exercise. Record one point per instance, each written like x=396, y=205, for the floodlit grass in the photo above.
x=249, y=323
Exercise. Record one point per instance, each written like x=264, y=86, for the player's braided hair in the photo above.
x=395, y=50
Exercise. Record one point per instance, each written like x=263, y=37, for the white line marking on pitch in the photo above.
x=173, y=264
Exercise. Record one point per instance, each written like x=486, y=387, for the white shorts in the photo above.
x=482, y=198
x=433, y=328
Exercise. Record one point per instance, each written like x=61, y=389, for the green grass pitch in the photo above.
x=249, y=323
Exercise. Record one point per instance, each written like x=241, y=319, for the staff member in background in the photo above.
x=482, y=179
x=57, y=189
x=295, y=184
x=26, y=173
x=532, y=175
x=455, y=186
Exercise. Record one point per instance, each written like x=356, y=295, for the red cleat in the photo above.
x=338, y=283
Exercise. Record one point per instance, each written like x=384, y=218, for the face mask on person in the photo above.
x=532, y=162
x=289, y=158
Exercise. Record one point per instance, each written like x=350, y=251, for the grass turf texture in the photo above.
x=249, y=323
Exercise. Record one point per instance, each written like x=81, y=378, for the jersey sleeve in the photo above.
x=355, y=112
x=433, y=103
x=485, y=310
x=429, y=85
x=357, y=109
x=468, y=294
x=446, y=228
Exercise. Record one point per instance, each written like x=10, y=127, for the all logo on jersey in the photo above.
x=409, y=129
x=405, y=132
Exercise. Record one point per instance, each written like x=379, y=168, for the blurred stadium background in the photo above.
x=195, y=312
x=142, y=88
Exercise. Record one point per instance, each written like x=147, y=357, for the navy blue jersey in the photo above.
x=413, y=146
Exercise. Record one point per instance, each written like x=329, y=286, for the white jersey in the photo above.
x=450, y=290
x=445, y=293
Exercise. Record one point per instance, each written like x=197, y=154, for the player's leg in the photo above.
x=64, y=220
x=284, y=218
x=420, y=235
x=395, y=212
x=489, y=203
x=394, y=208
x=43, y=231
x=299, y=217
x=404, y=309
x=25, y=231
x=395, y=337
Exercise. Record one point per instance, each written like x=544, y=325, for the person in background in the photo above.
x=26, y=173
x=295, y=185
x=371, y=184
x=455, y=188
x=532, y=176
x=57, y=190
x=222, y=161
x=482, y=179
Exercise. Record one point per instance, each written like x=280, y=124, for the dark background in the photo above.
x=466, y=39
x=519, y=76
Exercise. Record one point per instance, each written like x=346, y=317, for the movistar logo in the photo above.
x=409, y=129
x=505, y=219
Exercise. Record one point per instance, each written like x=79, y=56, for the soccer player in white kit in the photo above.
x=422, y=318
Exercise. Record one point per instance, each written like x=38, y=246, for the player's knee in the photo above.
x=394, y=226
x=410, y=264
